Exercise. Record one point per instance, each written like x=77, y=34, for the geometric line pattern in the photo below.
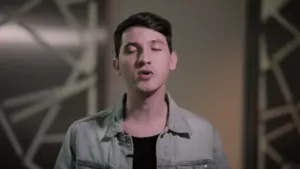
x=51, y=99
x=270, y=9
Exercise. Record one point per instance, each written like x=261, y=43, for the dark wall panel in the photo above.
x=51, y=73
x=277, y=84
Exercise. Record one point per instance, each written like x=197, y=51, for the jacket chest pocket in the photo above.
x=199, y=164
x=80, y=164
x=204, y=166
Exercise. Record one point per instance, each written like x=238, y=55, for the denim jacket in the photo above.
x=99, y=142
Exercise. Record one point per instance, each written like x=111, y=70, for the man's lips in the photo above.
x=145, y=74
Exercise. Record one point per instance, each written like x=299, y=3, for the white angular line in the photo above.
x=70, y=90
x=269, y=7
x=23, y=9
x=282, y=83
x=287, y=94
x=61, y=54
x=69, y=17
x=262, y=94
x=92, y=15
x=28, y=98
x=277, y=112
x=262, y=104
x=286, y=24
x=33, y=109
x=290, y=46
x=296, y=119
x=264, y=61
x=274, y=154
x=11, y=135
x=275, y=134
x=72, y=77
x=92, y=100
x=28, y=6
x=262, y=149
x=285, y=50
x=62, y=94
x=46, y=123
x=88, y=60
x=53, y=138
x=262, y=144
x=278, y=73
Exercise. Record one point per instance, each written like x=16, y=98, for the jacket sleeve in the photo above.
x=66, y=156
x=219, y=154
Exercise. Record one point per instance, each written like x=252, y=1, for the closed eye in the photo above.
x=130, y=51
x=156, y=49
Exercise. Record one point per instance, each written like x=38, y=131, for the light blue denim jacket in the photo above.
x=97, y=142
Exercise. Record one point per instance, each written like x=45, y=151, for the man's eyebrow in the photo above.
x=151, y=42
x=131, y=44
x=157, y=41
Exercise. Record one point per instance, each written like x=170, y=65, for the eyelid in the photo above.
x=157, y=47
x=128, y=48
x=130, y=51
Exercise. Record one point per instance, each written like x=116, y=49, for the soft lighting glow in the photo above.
x=13, y=34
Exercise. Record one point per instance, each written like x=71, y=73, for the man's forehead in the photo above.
x=156, y=41
x=142, y=35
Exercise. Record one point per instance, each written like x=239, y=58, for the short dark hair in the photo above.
x=147, y=20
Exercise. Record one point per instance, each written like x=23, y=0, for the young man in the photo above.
x=146, y=129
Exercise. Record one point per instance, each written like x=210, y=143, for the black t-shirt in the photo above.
x=144, y=156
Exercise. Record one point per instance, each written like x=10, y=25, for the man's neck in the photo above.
x=145, y=107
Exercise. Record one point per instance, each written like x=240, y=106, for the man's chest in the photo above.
x=144, y=129
x=172, y=151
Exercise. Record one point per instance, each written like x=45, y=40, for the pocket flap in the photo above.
x=81, y=164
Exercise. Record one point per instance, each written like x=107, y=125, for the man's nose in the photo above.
x=144, y=58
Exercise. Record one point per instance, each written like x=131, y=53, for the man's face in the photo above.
x=144, y=60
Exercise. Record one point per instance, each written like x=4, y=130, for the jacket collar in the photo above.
x=176, y=122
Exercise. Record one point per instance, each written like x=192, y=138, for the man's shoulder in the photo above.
x=100, y=118
x=196, y=121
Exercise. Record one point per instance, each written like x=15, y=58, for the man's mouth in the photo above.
x=145, y=74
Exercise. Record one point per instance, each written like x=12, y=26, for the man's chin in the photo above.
x=147, y=89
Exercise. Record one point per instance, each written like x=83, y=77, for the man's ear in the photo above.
x=173, y=61
x=116, y=66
